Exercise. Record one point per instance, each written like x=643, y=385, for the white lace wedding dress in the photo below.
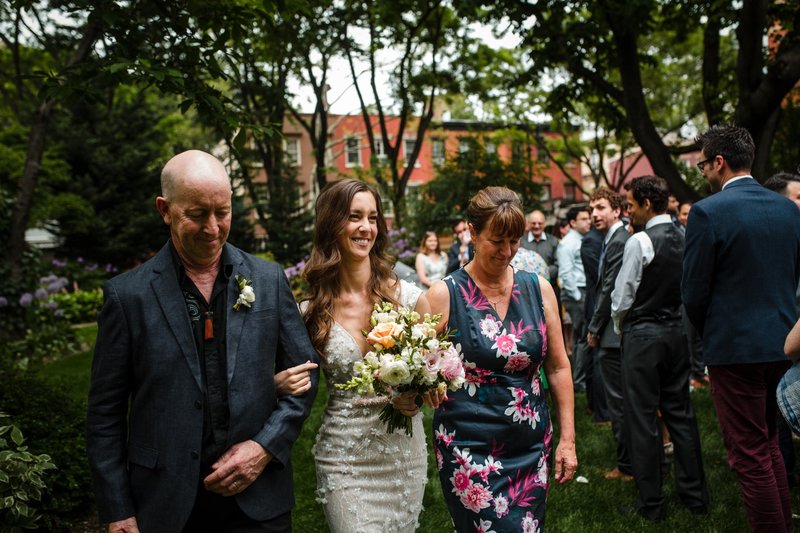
x=367, y=480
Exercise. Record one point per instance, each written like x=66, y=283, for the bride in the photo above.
x=367, y=480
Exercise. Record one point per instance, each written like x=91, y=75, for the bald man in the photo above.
x=537, y=240
x=185, y=430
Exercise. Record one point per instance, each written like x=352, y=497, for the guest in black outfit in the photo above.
x=595, y=394
x=646, y=308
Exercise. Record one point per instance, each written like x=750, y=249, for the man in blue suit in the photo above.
x=740, y=272
x=185, y=430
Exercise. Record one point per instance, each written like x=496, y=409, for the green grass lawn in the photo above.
x=579, y=507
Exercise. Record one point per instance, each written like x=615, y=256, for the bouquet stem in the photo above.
x=395, y=420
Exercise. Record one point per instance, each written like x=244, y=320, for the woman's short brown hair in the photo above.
x=499, y=209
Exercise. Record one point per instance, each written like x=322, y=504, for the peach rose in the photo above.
x=384, y=334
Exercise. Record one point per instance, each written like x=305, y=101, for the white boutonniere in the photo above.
x=246, y=293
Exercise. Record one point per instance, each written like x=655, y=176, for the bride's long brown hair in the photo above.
x=322, y=268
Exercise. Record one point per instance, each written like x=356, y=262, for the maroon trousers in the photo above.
x=744, y=396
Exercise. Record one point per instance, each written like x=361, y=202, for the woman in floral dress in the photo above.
x=493, y=438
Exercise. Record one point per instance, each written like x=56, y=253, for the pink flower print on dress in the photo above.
x=443, y=436
x=473, y=297
x=460, y=479
x=476, y=497
x=530, y=524
x=505, y=344
x=543, y=332
x=439, y=458
x=500, y=506
x=463, y=458
x=492, y=466
x=490, y=327
x=517, y=362
x=474, y=377
x=483, y=526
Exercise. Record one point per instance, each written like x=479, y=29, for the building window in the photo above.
x=569, y=191
x=465, y=144
x=291, y=152
x=352, y=152
x=408, y=148
x=379, y=152
x=541, y=153
x=437, y=151
x=546, y=191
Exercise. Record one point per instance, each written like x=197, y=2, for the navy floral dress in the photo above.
x=493, y=436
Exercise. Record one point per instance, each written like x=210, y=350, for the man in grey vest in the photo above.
x=646, y=309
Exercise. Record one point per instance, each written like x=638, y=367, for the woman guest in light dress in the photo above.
x=431, y=263
x=367, y=480
x=493, y=438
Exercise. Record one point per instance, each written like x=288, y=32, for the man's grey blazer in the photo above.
x=145, y=416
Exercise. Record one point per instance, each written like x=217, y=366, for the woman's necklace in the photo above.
x=499, y=299
x=502, y=290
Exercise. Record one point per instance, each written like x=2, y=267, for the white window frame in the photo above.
x=438, y=158
x=347, y=151
x=407, y=152
x=293, y=159
x=378, y=150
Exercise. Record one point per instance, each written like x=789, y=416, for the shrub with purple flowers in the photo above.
x=403, y=245
x=84, y=275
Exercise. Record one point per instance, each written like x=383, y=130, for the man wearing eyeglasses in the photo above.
x=740, y=270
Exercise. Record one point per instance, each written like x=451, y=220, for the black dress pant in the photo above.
x=213, y=513
x=655, y=373
x=610, y=363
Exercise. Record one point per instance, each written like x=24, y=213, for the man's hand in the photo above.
x=592, y=340
x=128, y=525
x=237, y=468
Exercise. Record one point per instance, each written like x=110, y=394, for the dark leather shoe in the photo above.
x=653, y=516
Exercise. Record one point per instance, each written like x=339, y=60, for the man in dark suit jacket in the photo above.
x=606, y=211
x=590, y=257
x=740, y=272
x=185, y=430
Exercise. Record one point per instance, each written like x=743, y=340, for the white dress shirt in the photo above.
x=570, y=264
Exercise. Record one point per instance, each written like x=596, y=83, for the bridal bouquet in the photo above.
x=407, y=355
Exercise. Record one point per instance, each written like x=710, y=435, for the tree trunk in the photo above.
x=763, y=141
x=644, y=131
x=26, y=186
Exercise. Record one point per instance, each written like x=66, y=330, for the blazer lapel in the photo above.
x=236, y=319
x=170, y=298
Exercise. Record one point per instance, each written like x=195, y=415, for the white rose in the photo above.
x=381, y=318
x=433, y=345
x=248, y=294
x=393, y=372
